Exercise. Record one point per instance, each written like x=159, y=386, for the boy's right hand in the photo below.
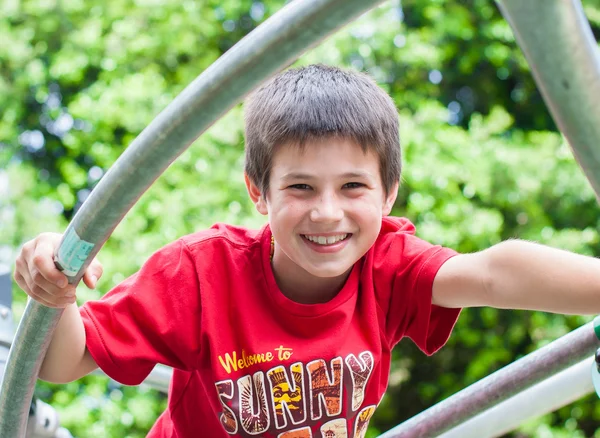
x=39, y=278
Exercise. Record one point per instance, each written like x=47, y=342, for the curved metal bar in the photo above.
x=558, y=43
x=501, y=385
x=557, y=391
x=270, y=47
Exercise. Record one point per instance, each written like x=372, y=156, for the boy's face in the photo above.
x=325, y=204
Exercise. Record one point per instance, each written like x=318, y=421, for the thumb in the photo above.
x=93, y=274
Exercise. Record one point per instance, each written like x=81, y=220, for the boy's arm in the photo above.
x=520, y=275
x=67, y=358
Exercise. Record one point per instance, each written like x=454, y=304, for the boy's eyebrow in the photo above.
x=297, y=175
x=357, y=174
x=300, y=175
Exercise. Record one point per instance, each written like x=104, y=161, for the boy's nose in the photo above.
x=328, y=209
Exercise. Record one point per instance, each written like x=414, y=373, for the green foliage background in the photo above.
x=483, y=162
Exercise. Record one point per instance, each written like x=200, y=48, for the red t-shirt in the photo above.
x=249, y=361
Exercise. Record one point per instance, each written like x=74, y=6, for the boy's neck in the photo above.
x=302, y=287
x=310, y=290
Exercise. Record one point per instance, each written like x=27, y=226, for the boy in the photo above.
x=287, y=331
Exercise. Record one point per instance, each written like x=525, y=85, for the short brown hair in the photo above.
x=319, y=101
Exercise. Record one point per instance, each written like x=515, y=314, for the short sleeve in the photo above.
x=407, y=268
x=152, y=317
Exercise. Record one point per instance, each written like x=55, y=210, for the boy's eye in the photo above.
x=353, y=185
x=300, y=186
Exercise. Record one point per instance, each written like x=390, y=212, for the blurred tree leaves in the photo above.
x=80, y=80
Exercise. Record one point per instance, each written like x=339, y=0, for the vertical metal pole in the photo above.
x=7, y=329
x=559, y=45
x=270, y=47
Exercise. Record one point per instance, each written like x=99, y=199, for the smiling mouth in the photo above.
x=327, y=240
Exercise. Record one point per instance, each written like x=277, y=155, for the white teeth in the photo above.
x=329, y=240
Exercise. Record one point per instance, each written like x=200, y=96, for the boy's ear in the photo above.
x=390, y=199
x=255, y=194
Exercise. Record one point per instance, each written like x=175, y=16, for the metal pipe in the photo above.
x=270, y=47
x=159, y=378
x=499, y=386
x=558, y=42
x=547, y=396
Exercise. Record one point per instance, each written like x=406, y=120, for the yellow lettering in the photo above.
x=229, y=362
x=283, y=353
